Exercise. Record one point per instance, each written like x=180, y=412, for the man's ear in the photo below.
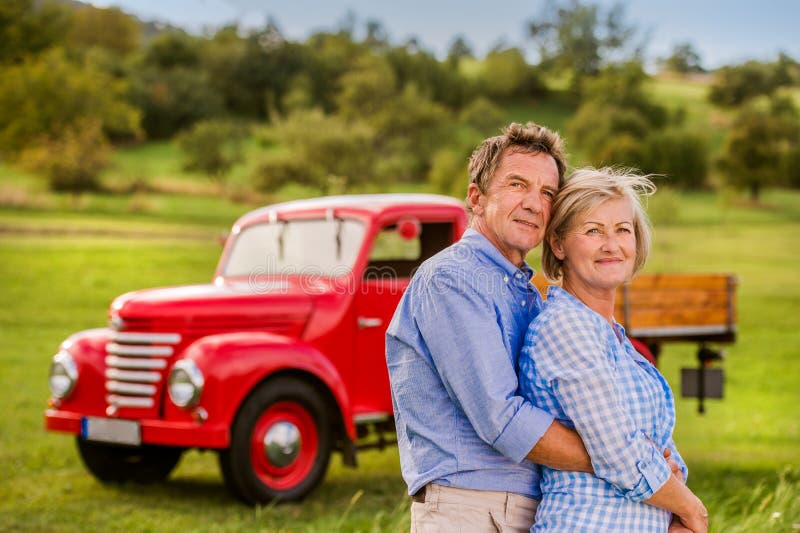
x=474, y=198
x=558, y=247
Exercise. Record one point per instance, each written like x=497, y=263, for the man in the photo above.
x=463, y=432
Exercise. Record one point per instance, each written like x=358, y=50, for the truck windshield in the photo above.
x=326, y=247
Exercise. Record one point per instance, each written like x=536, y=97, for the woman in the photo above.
x=578, y=365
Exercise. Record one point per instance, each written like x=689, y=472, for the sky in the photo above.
x=723, y=32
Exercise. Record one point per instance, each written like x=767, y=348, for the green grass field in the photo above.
x=744, y=453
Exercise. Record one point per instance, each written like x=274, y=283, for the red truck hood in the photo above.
x=279, y=306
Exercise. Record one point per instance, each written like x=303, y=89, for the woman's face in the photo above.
x=599, y=251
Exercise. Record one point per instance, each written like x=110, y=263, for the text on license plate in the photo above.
x=111, y=430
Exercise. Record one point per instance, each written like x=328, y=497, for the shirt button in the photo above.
x=505, y=278
x=523, y=302
x=519, y=275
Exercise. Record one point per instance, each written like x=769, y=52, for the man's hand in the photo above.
x=676, y=470
x=677, y=527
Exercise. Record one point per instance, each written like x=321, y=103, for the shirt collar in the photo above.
x=555, y=292
x=482, y=245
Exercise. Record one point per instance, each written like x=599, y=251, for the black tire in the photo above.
x=293, y=416
x=117, y=464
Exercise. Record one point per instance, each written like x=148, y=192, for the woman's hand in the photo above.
x=676, y=469
x=696, y=521
x=685, y=506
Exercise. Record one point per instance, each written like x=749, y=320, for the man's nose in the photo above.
x=533, y=200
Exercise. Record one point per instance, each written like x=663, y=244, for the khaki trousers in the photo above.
x=449, y=509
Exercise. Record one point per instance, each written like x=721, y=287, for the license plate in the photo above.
x=111, y=430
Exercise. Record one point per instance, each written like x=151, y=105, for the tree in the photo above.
x=483, y=116
x=172, y=49
x=408, y=131
x=213, y=147
x=580, y=38
x=322, y=151
x=26, y=29
x=431, y=77
x=679, y=155
x=377, y=37
x=448, y=172
x=759, y=144
x=366, y=88
x=506, y=74
x=733, y=85
x=615, y=116
x=107, y=28
x=72, y=159
x=458, y=50
x=172, y=100
x=48, y=94
x=684, y=59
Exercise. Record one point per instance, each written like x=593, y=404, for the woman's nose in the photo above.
x=610, y=242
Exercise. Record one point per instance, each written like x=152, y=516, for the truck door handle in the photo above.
x=369, y=322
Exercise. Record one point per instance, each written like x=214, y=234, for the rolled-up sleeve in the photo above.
x=572, y=359
x=460, y=326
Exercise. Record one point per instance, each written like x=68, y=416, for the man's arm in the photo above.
x=561, y=448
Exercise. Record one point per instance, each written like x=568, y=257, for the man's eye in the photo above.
x=549, y=194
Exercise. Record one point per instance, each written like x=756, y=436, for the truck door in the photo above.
x=396, y=254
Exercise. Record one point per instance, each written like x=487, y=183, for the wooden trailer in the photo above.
x=660, y=308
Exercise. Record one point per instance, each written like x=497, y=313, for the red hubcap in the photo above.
x=284, y=445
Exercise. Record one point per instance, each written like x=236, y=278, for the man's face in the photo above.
x=516, y=207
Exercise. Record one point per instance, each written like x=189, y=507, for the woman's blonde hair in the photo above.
x=583, y=191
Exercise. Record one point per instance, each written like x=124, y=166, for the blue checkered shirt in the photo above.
x=451, y=350
x=588, y=376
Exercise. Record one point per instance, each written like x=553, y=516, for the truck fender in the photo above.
x=233, y=364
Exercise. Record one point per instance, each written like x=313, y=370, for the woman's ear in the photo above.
x=558, y=247
x=474, y=197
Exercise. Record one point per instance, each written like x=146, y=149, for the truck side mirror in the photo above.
x=408, y=228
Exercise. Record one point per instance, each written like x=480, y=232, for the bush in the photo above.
x=322, y=151
x=448, y=173
x=213, y=147
x=72, y=161
x=679, y=155
x=173, y=100
x=483, y=115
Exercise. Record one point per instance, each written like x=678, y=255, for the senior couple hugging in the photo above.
x=516, y=414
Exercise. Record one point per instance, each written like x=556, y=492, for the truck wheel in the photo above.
x=280, y=443
x=117, y=464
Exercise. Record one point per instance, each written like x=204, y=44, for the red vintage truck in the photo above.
x=280, y=360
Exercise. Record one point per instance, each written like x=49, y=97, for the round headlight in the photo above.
x=63, y=375
x=185, y=383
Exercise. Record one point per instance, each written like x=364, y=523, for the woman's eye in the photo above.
x=593, y=231
x=624, y=230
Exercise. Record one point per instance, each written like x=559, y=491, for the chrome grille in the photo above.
x=135, y=364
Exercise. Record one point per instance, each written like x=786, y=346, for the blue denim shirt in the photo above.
x=451, y=350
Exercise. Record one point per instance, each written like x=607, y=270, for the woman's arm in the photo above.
x=676, y=497
x=570, y=357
